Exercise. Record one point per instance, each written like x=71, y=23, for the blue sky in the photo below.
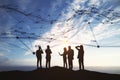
x=24, y=24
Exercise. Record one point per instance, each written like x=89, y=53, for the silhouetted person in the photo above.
x=48, y=56
x=70, y=57
x=64, y=57
x=39, y=53
x=80, y=56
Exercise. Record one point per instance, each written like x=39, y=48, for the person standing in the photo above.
x=70, y=57
x=39, y=53
x=80, y=56
x=48, y=56
x=64, y=57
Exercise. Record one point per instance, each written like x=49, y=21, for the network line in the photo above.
x=38, y=18
x=91, y=29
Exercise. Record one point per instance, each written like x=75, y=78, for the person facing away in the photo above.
x=64, y=57
x=80, y=56
x=39, y=53
x=70, y=57
x=48, y=56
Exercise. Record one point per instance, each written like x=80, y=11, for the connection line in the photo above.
x=110, y=46
x=14, y=45
x=23, y=13
x=24, y=44
x=30, y=44
x=98, y=46
x=93, y=34
x=86, y=44
x=19, y=37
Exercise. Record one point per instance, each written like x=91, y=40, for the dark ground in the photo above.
x=57, y=73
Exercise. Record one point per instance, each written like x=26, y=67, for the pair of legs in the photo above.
x=65, y=63
x=81, y=64
x=70, y=63
x=39, y=61
x=48, y=63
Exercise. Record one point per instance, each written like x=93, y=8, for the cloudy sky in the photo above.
x=25, y=24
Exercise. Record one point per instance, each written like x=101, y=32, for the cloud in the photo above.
x=96, y=2
x=56, y=4
x=76, y=26
x=23, y=4
x=2, y=54
x=80, y=27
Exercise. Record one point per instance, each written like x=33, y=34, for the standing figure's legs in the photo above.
x=66, y=63
x=82, y=62
x=63, y=62
x=37, y=63
x=46, y=63
x=49, y=63
x=79, y=64
x=69, y=63
x=40, y=62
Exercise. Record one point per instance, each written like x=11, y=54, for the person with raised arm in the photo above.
x=80, y=56
x=64, y=57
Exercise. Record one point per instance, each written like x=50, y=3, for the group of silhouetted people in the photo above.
x=70, y=54
x=67, y=55
x=39, y=53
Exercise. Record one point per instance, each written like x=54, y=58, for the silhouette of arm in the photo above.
x=41, y=51
x=77, y=47
x=60, y=54
x=50, y=51
x=73, y=54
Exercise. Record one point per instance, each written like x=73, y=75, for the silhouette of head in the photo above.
x=39, y=47
x=65, y=49
x=81, y=46
x=48, y=46
x=69, y=47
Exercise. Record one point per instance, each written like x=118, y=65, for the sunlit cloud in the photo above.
x=76, y=30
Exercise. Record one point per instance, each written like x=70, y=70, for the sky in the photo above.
x=26, y=24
